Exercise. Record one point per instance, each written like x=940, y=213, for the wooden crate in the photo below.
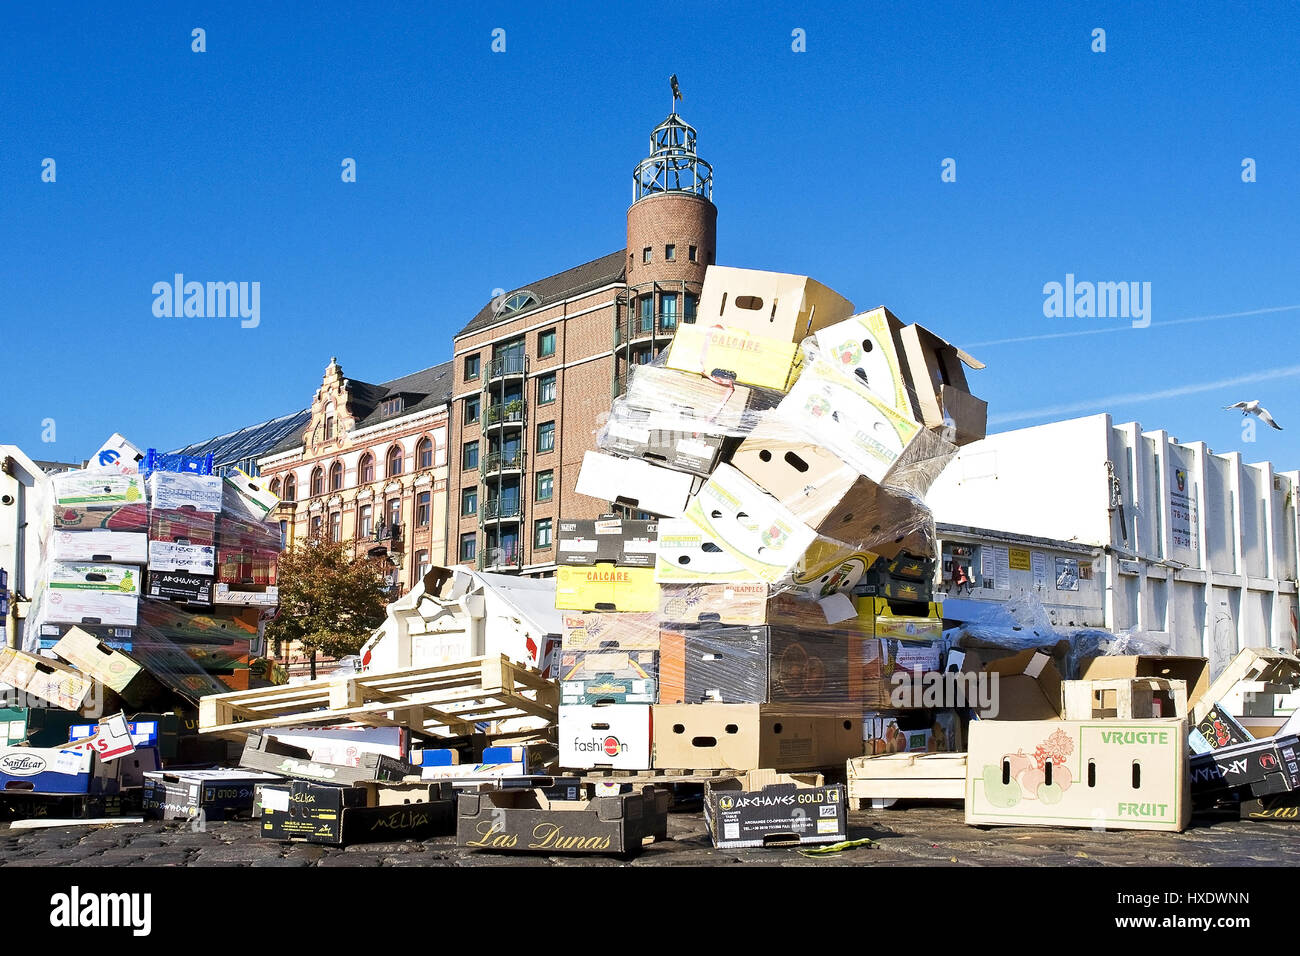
x=651, y=777
x=445, y=700
x=915, y=776
x=1122, y=698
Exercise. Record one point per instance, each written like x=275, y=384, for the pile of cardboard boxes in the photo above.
x=155, y=580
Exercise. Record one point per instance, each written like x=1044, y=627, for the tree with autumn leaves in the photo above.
x=331, y=599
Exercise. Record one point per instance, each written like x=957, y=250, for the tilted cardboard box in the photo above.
x=944, y=402
x=773, y=304
x=734, y=355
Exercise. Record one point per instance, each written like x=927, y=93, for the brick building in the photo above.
x=370, y=464
x=534, y=370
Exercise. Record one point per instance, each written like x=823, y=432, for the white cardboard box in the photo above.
x=172, y=491
x=265, y=598
x=687, y=555
x=194, y=558
x=611, y=735
x=90, y=607
x=113, y=578
x=115, y=547
x=864, y=349
x=637, y=483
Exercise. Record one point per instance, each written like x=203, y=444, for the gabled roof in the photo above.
x=556, y=288
x=251, y=442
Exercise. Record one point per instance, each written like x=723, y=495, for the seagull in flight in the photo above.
x=1255, y=408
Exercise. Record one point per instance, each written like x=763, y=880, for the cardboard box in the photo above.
x=737, y=602
x=873, y=520
x=49, y=633
x=527, y=821
x=265, y=597
x=866, y=349
x=608, y=677
x=49, y=680
x=116, y=455
x=181, y=491
x=807, y=480
x=36, y=726
x=180, y=587
x=85, y=501
x=750, y=524
x=1253, y=664
x=1194, y=671
x=62, y=606
x=214, y=794
x=346, y=746
x=635, y=483
x=764, y=808
x=773, y=304
x=907, y=776
x=607, y=540
x=1263, y=767
x=807, y=668
x=592, y=631
x=934, y=369
x=194, y=558
x=751, y=737
x=687, y=555
x=286, y=760
x=1028, y=689
x=244, y=534
x=642, y=433
x=246, y=566
x=604, y=587
x=827, y=568
x=305, y=812
x=111, y=578
x=115, y=669
x=117, y=547
x=183, y=527
x=848, y=421
x=1126, y=698
x=721, y=663
x=1128, y=775
x=1280, y=808
x=905, y=731
x=734, y=355
x=890, y=619
x=615, y=736
x=51, y=770
x=254, y=493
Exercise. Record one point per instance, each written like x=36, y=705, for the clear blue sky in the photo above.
x=477, y=170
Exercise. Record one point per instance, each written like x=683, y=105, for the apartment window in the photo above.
x=471, y=367
x=394, y=511
x=469, y=455
x=290, y=488
x=422, y=509
x=394, y=461
x=647, y=313
x=642, y=357
x=469, y=501
x=546, y=389
x=546, y=436
x=670, y=253
x=275, y=487
x=542, y=533
x=645, y=254
x=391, y=406
x=545, y=485
x=421, y=565
x=365, y=521
x=691, y=253
x=546, y=343
x=336, y=526
x=329, y=427
x=690, y=307
x=668, y=311
x=284, y=533
x=367, y=468
x=317, y=481
x=468, y=546
x=315, y=525
x=336, y=476
x=424, y=454
x=471, y=409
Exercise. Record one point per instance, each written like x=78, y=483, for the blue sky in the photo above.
x=478, y=170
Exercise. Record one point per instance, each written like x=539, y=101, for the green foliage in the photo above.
x=330, y=599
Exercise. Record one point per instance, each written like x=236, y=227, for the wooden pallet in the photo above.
x=445, y=700
x=882, y=780
x=650, y=777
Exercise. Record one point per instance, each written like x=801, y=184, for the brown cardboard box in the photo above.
x=115, y=669
x=1251, y=664
x=751, y=737
x=49, y=680
x=1124, y=698
x=1195, y=671
x=1029, y=688
x=737, y=602
x=772, y=304
x=934, y=370
x=592, y=631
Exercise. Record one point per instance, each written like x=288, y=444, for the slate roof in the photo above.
x=556, y=288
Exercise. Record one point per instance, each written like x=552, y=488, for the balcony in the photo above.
x=511, y=413
x=640, y=327
x=498, y=509
x=500, y=559
x=495, y=462
x=508, y=366
x=384, y=533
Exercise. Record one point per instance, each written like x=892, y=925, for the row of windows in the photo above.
x=545, y=442
x=365, y=517
x=543, y=485
x=468, y=548
x=546, y=393
x=511, y=355
x=393, y=464
x=670, y=254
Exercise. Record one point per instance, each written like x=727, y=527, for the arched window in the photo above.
x=367, y=470
x=275, y=487
x=336, y=476
x=394, y=461
x=317, y=481
x=290, y=488
x=424, y=454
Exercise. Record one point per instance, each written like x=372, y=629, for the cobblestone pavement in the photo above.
x=916, y=836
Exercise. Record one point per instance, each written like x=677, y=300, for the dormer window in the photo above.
x=391, y=406
x=517, y=302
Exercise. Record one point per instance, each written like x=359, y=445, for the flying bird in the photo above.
x=1255, y=408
